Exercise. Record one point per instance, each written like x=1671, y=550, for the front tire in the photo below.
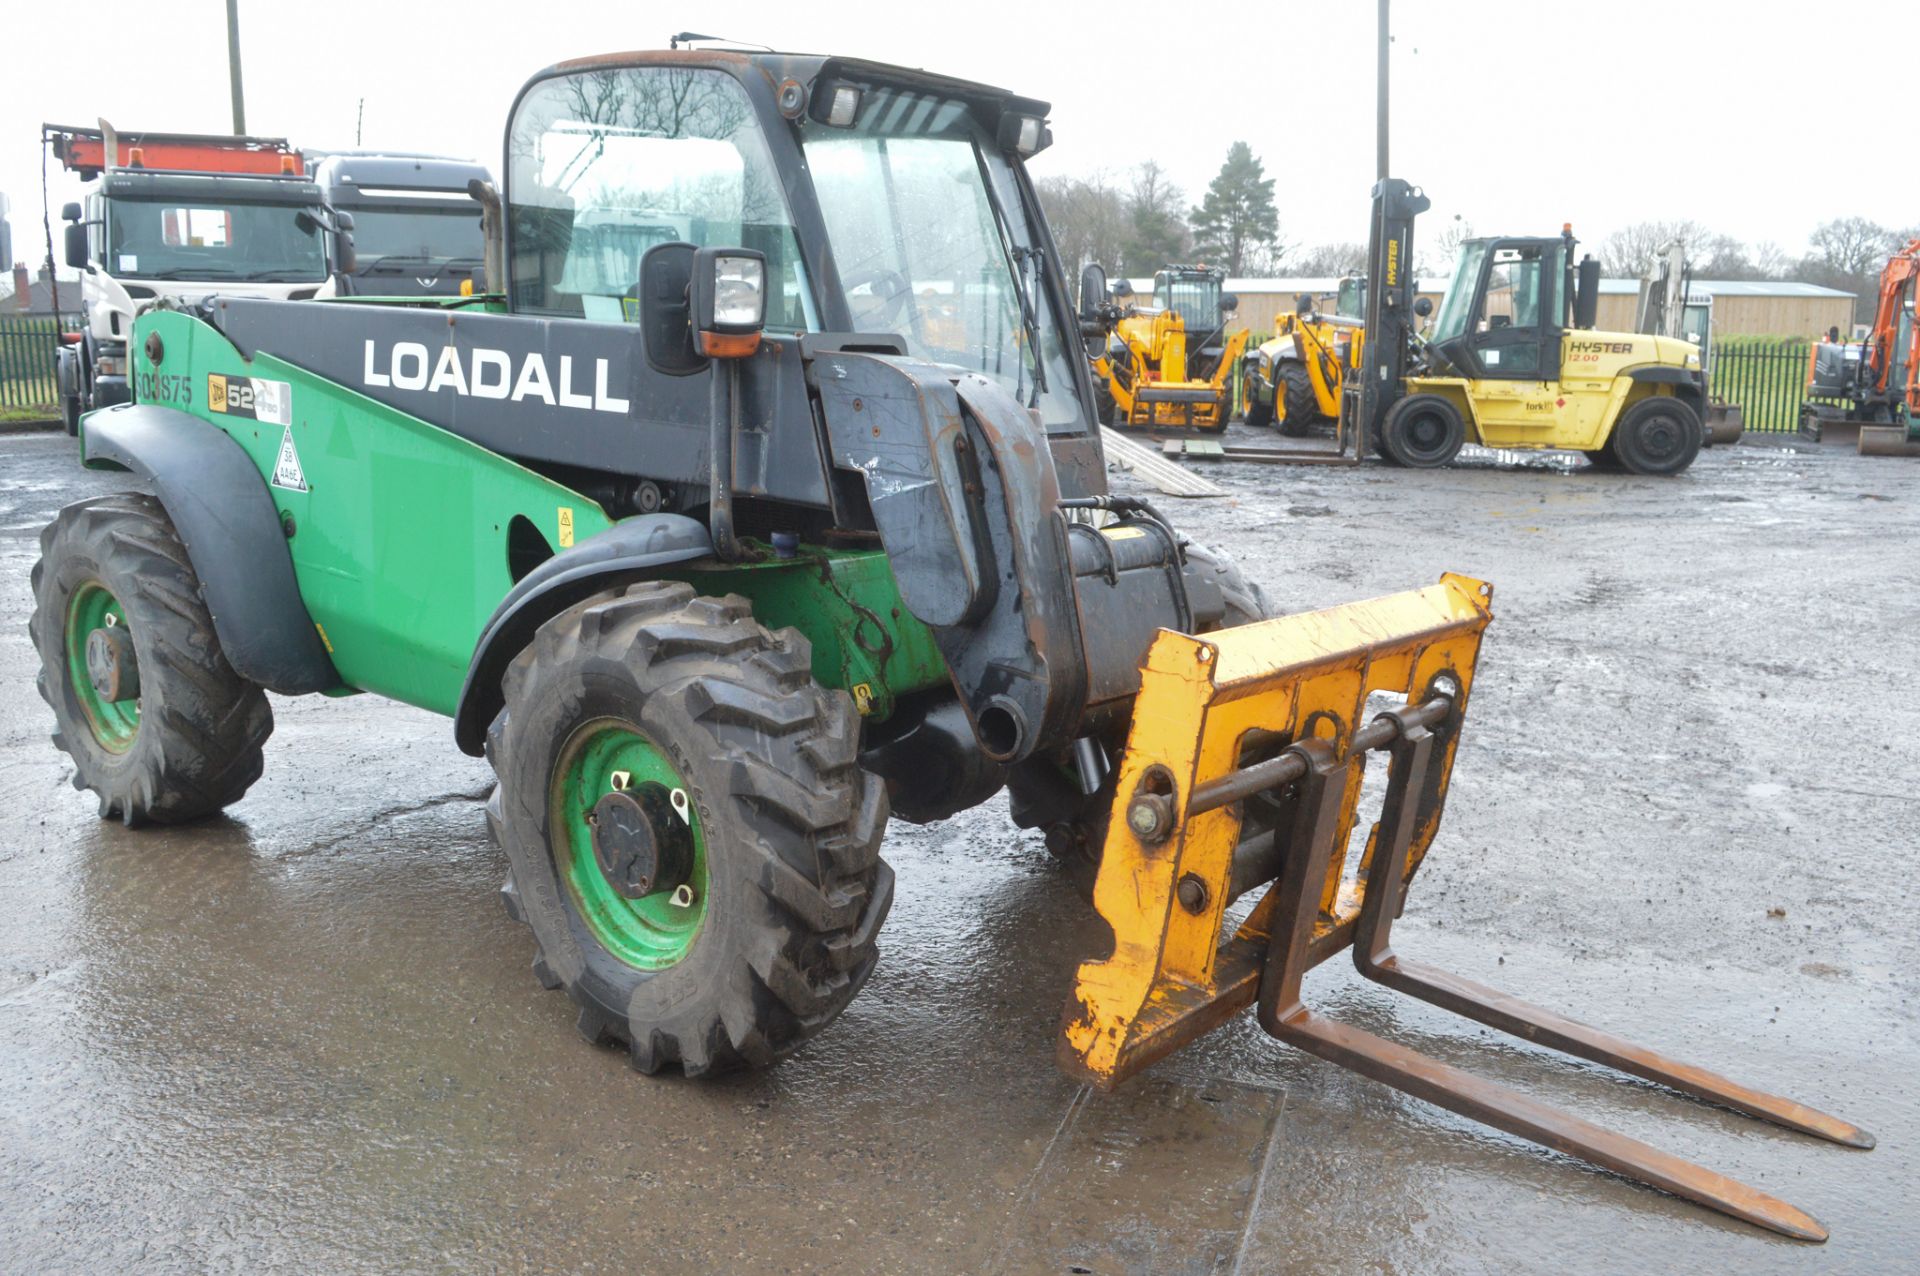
x=1422, y=432
x=1294, y=390
x=1259, y=414
x=157, y=723
x=1658, y=436
x=784, y=889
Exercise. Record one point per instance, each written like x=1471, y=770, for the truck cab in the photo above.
x=179, y=218
x=416, y=228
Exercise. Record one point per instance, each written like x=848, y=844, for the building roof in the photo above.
x=1608, y=287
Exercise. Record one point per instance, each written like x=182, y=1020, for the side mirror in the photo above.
x=343, y=220
x=76, y=244
x=1228, y=303
x=1303, y=304
x=69, y=212
x=1423, y=306
x=345, y=260
x=1586, y=293
x=665, y=304
x=729, y=301
x=1122, y=290
x=1093, y=291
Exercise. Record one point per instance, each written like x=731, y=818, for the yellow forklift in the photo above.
x=1512, y=359
x=1168, y=364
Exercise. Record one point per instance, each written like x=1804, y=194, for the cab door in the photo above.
x=1513, y=348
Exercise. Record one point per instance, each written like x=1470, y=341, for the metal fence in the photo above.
x=1768, y=379
x=27, y=343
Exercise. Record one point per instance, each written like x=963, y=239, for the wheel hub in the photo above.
x=641, y=845
x=112, y=666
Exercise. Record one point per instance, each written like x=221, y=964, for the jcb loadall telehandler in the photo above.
x=1168, y=364
x=769, y=506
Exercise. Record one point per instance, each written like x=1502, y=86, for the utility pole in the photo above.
x=233, y=66
x=1380, y=89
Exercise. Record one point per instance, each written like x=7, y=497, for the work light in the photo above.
x=729, y=301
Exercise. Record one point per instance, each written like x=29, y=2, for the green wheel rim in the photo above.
x=114, y=723
x=649, y=933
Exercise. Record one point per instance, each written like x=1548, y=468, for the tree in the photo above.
x=1329, y=260
x=1851, y=245
x=1629, y=251
x=1155, y=233
x=1436, y=261
x=1237, y=220
x=1089, y=220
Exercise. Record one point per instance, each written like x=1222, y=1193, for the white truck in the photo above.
x=176, y=218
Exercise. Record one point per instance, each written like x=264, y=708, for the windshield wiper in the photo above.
x=192, y=272
x=1030, y=321
x=285, y=275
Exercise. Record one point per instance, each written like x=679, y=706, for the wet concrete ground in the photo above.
x=305, y=1037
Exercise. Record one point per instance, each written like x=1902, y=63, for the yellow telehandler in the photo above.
x=1168, y=364
x=1293, y=380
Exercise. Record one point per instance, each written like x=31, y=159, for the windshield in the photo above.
x=402, y=237
x=1352, y=301
x=1456, y=307
x=1195, y=298
x=173, y=239
x=607, y=164
x=933, y=244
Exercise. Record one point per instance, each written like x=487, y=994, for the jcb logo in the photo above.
x=216, y=392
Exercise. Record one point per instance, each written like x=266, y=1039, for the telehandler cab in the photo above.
x=768, y=501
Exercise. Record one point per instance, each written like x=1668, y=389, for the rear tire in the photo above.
x=1422, y=432
x=70, y=414
x=1657, y=436
x=787, y=877
x=1295, y=392
x=188, y=741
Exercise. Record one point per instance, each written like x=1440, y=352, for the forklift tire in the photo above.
x=157, y=723
x=1422, y=432
x=1042, y=793
x=1295, y=392
x=1657, y=436
x=753, y=924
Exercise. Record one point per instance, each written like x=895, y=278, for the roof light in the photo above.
x=1026, y=134
x=287, y=165
x=136, y=157
x=846, y=105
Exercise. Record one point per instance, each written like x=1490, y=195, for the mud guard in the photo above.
x=226, y=518
x=1686, y=386
x=628, y=551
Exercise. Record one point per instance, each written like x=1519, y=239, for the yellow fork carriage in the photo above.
x=1243, y=773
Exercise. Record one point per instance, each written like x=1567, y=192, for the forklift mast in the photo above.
x=1389, y=314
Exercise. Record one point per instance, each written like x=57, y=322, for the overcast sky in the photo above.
x=1517, y=115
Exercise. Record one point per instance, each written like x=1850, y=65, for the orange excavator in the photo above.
x=1872, y=386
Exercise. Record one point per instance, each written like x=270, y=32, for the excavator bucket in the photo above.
x=1244, y=774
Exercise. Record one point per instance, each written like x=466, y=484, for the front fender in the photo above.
x=226, y=518
x=628, y=551
x=1684, y=384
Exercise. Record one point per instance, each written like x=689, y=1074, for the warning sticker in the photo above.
x=286, y=471
x=253, y=397
x=566, y=527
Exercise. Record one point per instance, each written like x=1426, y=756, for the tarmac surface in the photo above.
x=305, y=1037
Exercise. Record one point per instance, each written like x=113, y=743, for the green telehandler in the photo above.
x=765, y=504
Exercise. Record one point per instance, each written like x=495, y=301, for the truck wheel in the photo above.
x=1660, y=436
x=1422, y=432
x=1044, y=793
x=686, y=830
x=1296, y=393
x=70, y=414
x=157, y=723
